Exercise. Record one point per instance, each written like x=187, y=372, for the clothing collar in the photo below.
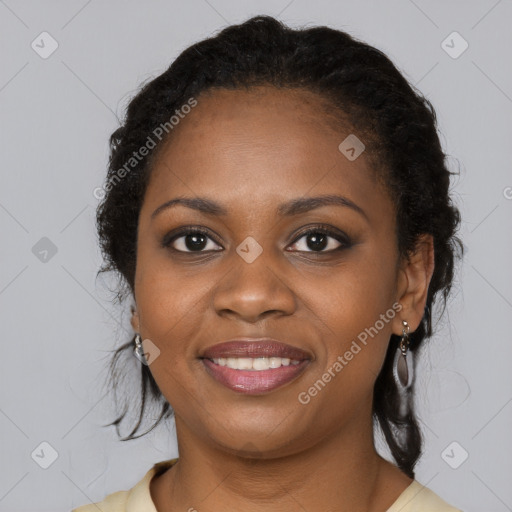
x=139, y=497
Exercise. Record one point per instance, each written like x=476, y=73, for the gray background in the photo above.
x=57, y=322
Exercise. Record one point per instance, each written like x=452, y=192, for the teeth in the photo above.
x=255, y=363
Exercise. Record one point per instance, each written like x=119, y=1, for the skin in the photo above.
x=250, y=151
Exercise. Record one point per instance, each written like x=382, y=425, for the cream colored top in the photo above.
x=415, y=498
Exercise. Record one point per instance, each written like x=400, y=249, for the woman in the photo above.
x=277, y=205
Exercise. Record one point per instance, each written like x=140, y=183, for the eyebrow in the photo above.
x=293, y=207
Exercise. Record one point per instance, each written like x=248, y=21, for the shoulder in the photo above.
x=419, y=498
x=138, y=498
x=115, y=502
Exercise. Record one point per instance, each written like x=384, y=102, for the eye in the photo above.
x=317, y=239
x=190, y=240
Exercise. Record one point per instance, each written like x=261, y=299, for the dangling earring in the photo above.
x=139, y=350
x=403, y=368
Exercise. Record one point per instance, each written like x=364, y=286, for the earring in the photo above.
x=139, y=350
x=403, y=368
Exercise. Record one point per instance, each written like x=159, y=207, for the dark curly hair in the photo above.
x=360, y=84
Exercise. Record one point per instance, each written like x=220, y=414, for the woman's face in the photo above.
x=255, y=274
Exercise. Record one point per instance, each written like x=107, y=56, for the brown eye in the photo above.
x=191, y=240
x=321, y=240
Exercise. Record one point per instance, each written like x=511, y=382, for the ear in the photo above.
x=413, y=280
x=134, y=320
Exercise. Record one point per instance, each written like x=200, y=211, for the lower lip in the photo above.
x=254, y=382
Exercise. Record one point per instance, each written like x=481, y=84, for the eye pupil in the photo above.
x=319, y=241
x=195, y=244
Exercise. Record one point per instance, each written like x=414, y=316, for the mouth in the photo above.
x=254, y=367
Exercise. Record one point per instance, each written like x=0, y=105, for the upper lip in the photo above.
x=254, y=347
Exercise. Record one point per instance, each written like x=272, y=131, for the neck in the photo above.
x=341, y=472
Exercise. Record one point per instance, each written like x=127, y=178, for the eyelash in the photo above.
x=343, y=239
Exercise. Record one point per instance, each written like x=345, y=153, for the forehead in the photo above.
x=264, y=142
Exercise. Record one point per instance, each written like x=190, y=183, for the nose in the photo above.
x=254, y=291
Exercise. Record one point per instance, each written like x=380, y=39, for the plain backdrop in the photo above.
x=58, y=324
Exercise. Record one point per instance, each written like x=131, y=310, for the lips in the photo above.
x=279, y=364
x=251, y=347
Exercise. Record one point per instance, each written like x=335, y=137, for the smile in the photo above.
x=254, y=375
x=254, y=363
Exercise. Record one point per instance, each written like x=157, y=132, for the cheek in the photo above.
x=356, y=308
x=169, y=305
x=166, y=296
